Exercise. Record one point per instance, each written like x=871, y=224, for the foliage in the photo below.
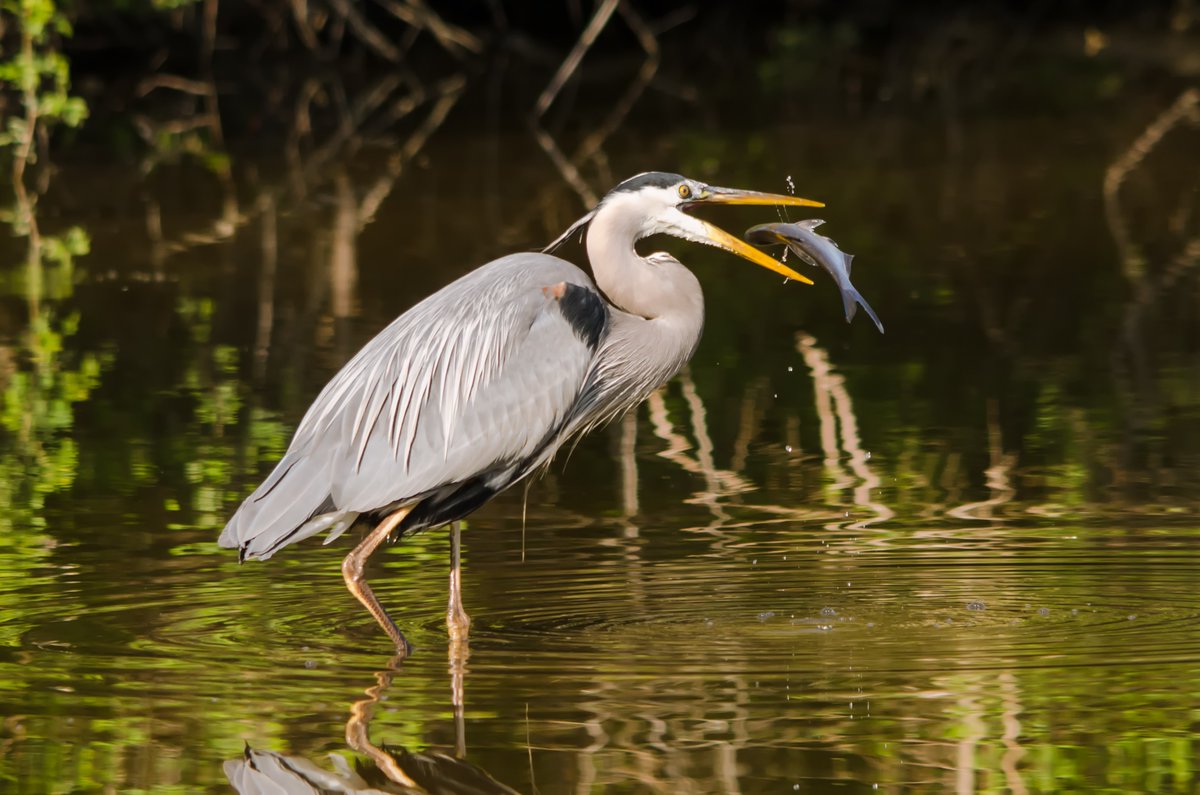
x=40, y=73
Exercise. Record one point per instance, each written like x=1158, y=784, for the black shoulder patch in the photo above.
x=654, y=179
x=586, y=311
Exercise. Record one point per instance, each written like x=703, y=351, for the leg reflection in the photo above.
x=257, y=771
x=358, y=726
x=426, y=771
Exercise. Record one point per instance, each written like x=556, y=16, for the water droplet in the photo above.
x=1043, y=611
x=828, y=611
x=766, y=614
x=1133, y=616
x=868, y=456
x=976, y=604
x=789, y=368
x=787, y=447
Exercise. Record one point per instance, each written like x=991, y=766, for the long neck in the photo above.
x=661, y=288
x=660, y=317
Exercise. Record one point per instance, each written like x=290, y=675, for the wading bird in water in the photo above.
x=478, y=385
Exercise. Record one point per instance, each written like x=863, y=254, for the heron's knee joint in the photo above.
x=352, y=570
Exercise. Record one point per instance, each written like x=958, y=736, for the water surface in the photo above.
x=961, y=556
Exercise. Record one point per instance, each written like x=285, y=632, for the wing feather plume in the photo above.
x=472, y=380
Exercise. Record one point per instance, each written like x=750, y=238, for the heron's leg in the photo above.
x=457, y=620
x=458, y=623
x=352, y=573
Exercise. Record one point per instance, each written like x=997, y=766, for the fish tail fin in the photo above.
x=851, y=298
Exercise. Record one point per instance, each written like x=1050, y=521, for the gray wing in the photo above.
x=471, y=381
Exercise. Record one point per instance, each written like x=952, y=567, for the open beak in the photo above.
x=713, y=195
x=722, y=239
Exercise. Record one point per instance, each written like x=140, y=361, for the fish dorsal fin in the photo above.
x=810, y=224
x=849, y=263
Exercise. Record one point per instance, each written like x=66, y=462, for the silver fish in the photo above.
x=818, y=251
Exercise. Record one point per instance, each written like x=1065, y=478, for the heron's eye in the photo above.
x=685, y=192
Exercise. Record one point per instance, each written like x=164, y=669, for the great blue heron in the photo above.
x=478, y=385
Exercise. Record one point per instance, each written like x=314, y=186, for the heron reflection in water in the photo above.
x=478, y=385
x=381, y=769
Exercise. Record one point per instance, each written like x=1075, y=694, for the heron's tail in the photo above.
x=292, y=504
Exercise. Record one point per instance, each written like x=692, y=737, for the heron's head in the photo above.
x=658, y=203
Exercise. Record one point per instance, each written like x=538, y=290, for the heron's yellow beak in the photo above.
x=714, y=195
x=722, y=239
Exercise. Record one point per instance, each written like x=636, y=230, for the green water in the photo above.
x=961, y=556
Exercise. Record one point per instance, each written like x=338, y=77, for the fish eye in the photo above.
x=685, y=192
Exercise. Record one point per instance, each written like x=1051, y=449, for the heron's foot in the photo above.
x=458, y=623
x=404, y=649
x=457, y=620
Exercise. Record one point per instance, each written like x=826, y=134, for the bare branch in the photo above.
x=419, y=15
x=369, y=34
x=571, y=63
